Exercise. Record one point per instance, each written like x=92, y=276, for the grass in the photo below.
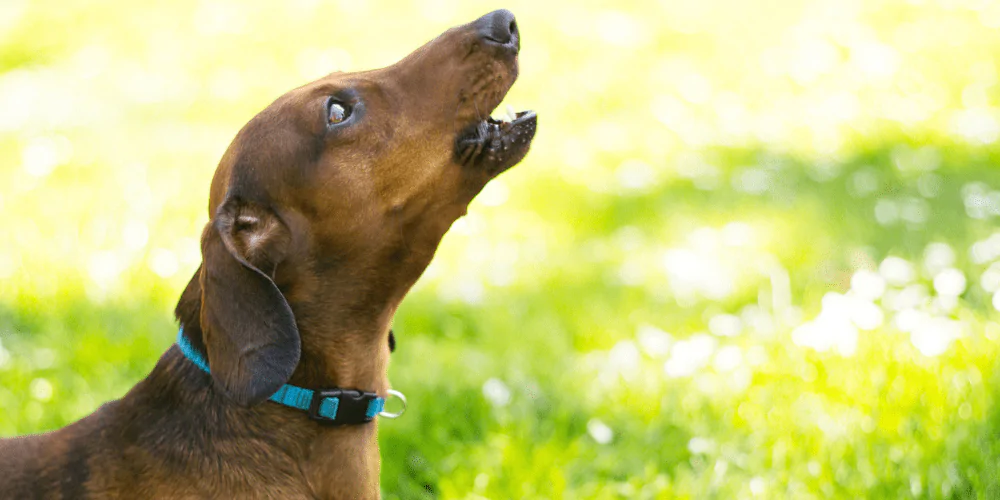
x=885, y=421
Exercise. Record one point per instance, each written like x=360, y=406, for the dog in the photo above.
x=324, y=211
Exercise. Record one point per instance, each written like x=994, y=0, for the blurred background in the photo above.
x=752, y=254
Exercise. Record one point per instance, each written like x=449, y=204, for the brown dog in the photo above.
x=324, y=211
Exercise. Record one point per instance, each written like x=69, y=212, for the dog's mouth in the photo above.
x=496, y=144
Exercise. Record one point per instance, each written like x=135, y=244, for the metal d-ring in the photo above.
x=385, y=414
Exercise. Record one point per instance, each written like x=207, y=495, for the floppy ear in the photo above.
x=249, y=330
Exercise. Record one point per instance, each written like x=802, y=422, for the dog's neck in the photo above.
x=349, y=355
x=338, y=350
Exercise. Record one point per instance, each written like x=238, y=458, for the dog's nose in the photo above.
x=499, y=27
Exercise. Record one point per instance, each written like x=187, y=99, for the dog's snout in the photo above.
x=499, y=27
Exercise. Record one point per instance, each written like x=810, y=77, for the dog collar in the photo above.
x=333, y=406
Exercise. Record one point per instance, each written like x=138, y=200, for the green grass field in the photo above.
x=753, y=253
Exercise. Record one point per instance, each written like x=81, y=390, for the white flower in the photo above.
x=990, y=280
x=653, y=341
x=837, y=324
x=700, y=445
x=728, y=359
x=937, y=257
x=41, y=389
x=896, y=271
x=867, y=284
x=688, y=355
x=600, y=431
x=908, y=319
x=496, y=392
x=949, y=282
x=933, y=337
x=725, y=325
x=623, y=359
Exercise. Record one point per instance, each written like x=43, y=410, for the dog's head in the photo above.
x=331, y=202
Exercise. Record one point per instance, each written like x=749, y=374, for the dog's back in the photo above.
x=19, y=458
x=50, y=465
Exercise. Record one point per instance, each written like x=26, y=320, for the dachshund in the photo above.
x=324, y=210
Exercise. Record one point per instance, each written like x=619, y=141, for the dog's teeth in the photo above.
x=501, y=120
x=511, y=114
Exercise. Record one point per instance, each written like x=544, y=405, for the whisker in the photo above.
x=479, y=114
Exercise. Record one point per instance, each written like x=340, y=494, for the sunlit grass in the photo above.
x=752, y=253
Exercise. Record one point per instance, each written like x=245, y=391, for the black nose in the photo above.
x=499, y=27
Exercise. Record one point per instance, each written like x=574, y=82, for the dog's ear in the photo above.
x=249, y=330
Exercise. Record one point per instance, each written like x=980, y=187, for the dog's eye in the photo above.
x=337, y=112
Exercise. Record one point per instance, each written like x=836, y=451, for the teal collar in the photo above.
x=331, y=406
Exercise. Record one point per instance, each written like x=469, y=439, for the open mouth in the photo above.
x=496, y=144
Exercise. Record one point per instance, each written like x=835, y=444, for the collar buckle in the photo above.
x=344, y=406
